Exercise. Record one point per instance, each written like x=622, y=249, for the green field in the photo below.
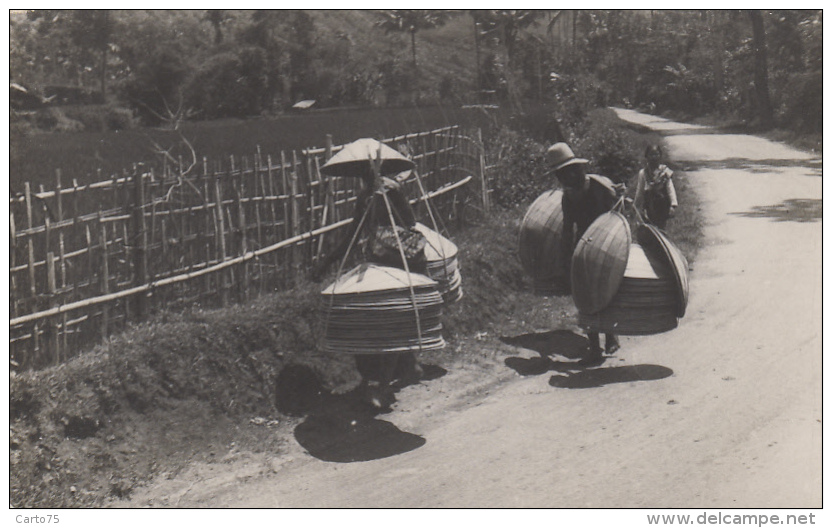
x=80, y=155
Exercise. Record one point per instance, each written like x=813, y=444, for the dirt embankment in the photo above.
x=200, y=385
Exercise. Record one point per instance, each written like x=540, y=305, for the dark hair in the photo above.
x=653, y=148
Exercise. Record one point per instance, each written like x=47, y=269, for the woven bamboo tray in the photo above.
x=645, y=302
x=539, y=243
x=599, y=262
x=381, y=310
x=656, y=242
x=442, y=265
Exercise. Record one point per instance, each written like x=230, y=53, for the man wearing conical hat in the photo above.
x=585, y=198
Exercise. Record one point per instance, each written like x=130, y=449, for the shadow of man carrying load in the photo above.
x=340, y=427
x=571, y=374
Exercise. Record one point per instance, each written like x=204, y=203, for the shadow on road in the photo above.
x=341, y=427
x=556, y=342
x=598, y=377
x=794, y=210
x=572, y=374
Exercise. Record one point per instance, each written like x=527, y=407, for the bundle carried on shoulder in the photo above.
x=540, y=244
x=628, y=288
x=376, y=309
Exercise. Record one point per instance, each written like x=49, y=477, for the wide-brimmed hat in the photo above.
x=561, y=156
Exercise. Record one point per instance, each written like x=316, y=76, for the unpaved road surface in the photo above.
x=724, y=411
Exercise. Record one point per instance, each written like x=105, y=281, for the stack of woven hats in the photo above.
x=381, y=310
x=539, y=244
x=628, y=288
x=443, y=266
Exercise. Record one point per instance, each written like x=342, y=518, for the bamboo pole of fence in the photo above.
x=52, y=326
x=327, y=188
x=30, y=245
x=486, y=201
x=239, y=190
x=220, y=223
x=13, y=263
x=261, y=193
x=207, y=215
x=139, y=242
x=105, y=279
x=295, y=215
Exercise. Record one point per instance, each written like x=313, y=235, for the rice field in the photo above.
x=81, y=155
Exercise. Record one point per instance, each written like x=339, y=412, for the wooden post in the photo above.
x=139, y=244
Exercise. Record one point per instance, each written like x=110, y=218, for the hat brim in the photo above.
x=573, y=161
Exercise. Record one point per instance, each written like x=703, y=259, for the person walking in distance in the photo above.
x=655, y=194
x=585, y=198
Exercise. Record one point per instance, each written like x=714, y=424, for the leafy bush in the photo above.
x=609, y=149
x=803, y=109
x=55, y=120
x=100, y=118
x=518, y=168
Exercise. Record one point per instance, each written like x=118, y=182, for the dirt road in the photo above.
x=724, y=411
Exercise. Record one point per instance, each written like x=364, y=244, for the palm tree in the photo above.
x=411, y=21
x=506, y=24
x=217, y=18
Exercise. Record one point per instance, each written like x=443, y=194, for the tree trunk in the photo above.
x=477, y=53
x=104, y=74
x=413, y=47
x=763, y=108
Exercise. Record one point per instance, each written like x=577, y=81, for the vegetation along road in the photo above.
x=724, y=411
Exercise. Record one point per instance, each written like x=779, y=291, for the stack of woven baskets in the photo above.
x=443, y=266
x=628, y=288
x=539, y=244
x=381, y=310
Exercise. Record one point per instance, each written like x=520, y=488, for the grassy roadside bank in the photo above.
x=177, y=389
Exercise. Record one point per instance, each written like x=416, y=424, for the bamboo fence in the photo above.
x=87, y=258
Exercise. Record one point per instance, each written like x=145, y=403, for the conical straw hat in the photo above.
x=599, y=262
x=367, y=278
x=354, y=160
x=438, y=248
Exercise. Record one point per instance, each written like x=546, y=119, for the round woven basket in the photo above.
x=599, y=262
x=442, y=265
x=645, y=302
x=539, y=243
x=657, y=243
x=381, y=310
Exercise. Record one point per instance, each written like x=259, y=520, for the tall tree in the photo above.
x=506, y=24
x=411, y=21
x=218, y=18
x=764, y=110
x=92, y=29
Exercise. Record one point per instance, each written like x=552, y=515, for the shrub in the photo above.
x=803, y=109
x=518, y=168
x=55, y=120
